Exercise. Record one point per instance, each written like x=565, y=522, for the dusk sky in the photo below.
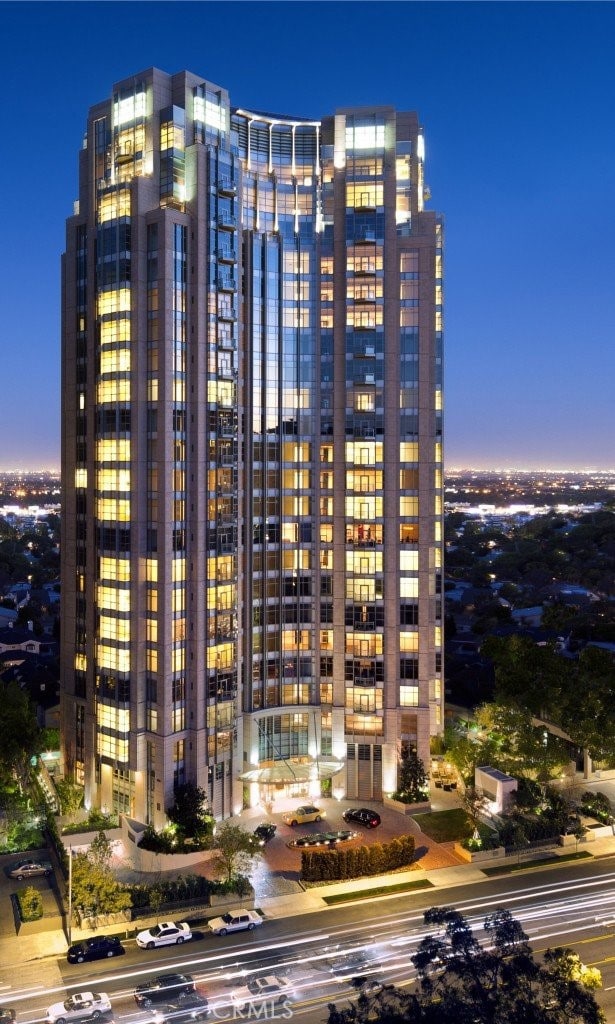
x=518, y=105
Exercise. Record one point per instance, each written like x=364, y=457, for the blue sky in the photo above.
x=517, y=101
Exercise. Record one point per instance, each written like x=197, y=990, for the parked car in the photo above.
x=362, y=816
x=192, y=1006
x=270, y=988
x=325, y=838
x=164, y=988
x=30, y=869
x=79, y=1006
x=96, y=948
x=238, y=921
x=166, y=934
x=264, y=832
x=7, y=1015
x=303, y=815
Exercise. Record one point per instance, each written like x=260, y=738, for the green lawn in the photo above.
x=445, y=826
x=524, y=865
x=379, y=890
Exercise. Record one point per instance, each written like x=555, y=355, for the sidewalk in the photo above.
x=30, y=952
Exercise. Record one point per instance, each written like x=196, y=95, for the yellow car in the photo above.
x=303, y=815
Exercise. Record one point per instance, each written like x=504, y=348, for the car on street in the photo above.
x=166, y=934
x=96, y=948
x=79, y=1006
x=192, y=1006
x=273, y=988
x=362, y=816
x=264, y=832
x=30, y=869
x=238, y=921
x=303, y=815
x=7, y=1015
x=348, y=964
x=164, y=988
x=324, y=838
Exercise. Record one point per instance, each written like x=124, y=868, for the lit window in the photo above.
x=369, y=136
x=409, y=696
x=130, y=109
x=409, y=641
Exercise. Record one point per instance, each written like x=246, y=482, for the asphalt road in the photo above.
x=568, y=905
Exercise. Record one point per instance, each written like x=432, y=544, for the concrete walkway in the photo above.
x=36, y=953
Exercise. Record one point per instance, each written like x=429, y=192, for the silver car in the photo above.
x=29, y=869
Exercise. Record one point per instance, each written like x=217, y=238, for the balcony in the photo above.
x=227, y=221
x=364, y=430
x=227, y=341
x=227, y=187
x=227, y=314
x=365, y=238
x=226, y=284
x=227, y=255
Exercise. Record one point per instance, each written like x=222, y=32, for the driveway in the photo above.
x=277, y=874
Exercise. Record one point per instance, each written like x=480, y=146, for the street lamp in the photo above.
x=70, y=895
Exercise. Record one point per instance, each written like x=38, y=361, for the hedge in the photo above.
x=358, y=861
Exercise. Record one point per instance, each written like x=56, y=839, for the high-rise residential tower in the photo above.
x=251, y=452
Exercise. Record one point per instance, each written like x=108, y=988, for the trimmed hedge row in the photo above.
x=355, y=862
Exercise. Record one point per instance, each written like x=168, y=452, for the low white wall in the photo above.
x=397, y=805
x=82, y=840
x=146, y=861
x=480, y=856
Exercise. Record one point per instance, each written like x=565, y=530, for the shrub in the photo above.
x=597, y=805
x=53, y=835
x=356, y=862
x=178, y=890
x=95, y=822
x=30, y=904
x=158, y=842
x=528, y=794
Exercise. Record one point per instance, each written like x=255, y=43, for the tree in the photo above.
x=412, y=779
x=20, y=731
x=566, y=966
x=95, y=889
x=235, y=849
x=70, y=794
x=498, y=983
x=101, y=850
x=190, y=812
x=473, y=802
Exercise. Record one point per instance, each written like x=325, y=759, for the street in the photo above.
x=567, y=905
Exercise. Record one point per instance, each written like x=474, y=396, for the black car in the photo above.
x=192, y=1006
x=97, y=948
x=264, y=832
x=165, y=988
x=362, y=816
x=7, y=1015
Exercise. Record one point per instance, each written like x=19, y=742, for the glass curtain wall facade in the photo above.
x=252, y=451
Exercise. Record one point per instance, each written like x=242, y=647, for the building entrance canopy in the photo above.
x=294, y=770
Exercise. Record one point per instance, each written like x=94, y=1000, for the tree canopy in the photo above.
x=190, y=812
x=578, y=696
x=235, y=850
x=463, y=981
x=94, y=887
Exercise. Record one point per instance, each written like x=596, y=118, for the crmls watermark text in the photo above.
x=257, y=1009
